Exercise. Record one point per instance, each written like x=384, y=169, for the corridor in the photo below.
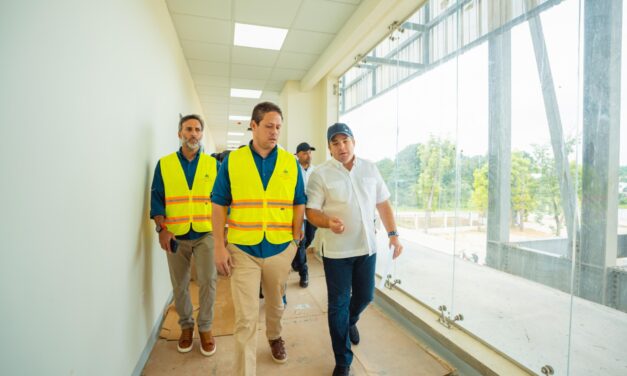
x=385, y=349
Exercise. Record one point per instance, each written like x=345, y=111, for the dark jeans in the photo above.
x=350, y=288
x=300, y=259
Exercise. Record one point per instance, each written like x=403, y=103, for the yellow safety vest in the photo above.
x=185, y=207
x=256, y=212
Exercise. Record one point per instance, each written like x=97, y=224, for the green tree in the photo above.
x=448, y=185
x=400, y=175
x=622, y=174
x=548, y=193
x=437, y=157
x=523, y=188
x=386, y=168
x=468, y=166
x=479, y=196
x=407, y=171
x=549, y=198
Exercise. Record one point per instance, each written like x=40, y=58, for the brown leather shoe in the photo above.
x=186, y=340
x=207, y=343
x=277, y=346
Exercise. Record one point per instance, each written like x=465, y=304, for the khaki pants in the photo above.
x=248, y=271
x=180, y=272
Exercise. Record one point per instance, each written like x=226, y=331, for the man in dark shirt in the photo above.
x=303, y=154
x=263, y=187
x=181, y=209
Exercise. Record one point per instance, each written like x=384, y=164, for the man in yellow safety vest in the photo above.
x=181, y=208
x=263, y=187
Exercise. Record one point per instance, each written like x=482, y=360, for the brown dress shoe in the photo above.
x=207, y=343
x=186, y=340
x=277, y=346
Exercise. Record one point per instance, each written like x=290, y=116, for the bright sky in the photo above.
x=427, y=104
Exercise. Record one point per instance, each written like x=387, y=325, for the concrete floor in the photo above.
x=385, y=349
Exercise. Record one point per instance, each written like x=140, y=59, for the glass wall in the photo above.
x=497, y=127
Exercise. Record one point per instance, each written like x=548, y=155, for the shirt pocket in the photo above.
x=338, y=192
x=368, y=188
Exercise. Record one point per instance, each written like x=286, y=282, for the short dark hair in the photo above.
x=189, y=117
x=262, y=109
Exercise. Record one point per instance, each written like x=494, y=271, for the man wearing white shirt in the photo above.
x=342, y=197
x=303, y=154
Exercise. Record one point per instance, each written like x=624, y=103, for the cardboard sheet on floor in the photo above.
x=223, y=315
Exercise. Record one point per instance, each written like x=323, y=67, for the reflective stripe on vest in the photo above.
x=185, y=207
x=256, y=212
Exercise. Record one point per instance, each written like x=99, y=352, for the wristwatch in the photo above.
x=161, y=227
x=392, y=233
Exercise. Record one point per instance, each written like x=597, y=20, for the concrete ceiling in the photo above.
x=205, y=29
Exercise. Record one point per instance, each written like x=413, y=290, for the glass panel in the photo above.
x=375, y=125
x=622, y=173
x=425, y=176
x=527, y=269
x=599, y=309
x=475, y=117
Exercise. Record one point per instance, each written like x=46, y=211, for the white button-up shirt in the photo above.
x=351, y=196
x=306, y=174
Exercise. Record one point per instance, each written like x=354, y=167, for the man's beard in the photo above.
x=190, y=145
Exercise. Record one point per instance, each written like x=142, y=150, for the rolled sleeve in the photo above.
x=221, y=192
x=315, y=192
x=157, y=194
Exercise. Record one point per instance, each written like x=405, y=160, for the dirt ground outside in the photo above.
x=468, y=239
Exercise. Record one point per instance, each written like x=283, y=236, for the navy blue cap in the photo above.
x=303, y=146
x=338, y=128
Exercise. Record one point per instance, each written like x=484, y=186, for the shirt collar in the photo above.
x=339, y=164
x=252, y=149
x=181, y=156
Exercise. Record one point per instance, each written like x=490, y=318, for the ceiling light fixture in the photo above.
x=239, y=118
x=235, y=133
x=270, y=38
x=245, y=93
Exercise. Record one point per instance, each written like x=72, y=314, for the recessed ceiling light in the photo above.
x=245, y=93
x=239, y=118
x=270, y=38
x=235, y=133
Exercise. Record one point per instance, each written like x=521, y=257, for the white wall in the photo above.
x=307, y=116
x=90, y=94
